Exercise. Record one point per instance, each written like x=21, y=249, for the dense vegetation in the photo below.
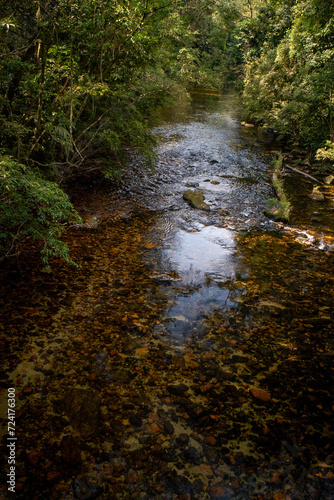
x=289, y=76
x=80, y=79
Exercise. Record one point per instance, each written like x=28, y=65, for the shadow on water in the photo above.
x=191, y=356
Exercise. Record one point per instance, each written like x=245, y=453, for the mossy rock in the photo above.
x=277, y=215
x=196, y=199
x=316, y=194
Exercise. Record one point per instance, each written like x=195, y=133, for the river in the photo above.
x=190, y=356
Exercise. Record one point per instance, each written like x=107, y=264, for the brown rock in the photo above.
x=217, y=491
x=154, y=429
x=153, y=417
x=265, y=430
x=211, y=440
x=260, y=394
x=132, y=477
x=205, y=388
x=142, y=351
x=276, y=477
x=33, y=456
x=53, y=476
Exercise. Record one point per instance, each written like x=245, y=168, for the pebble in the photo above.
x=154, y=429
x=260, y=394
x=210, y=440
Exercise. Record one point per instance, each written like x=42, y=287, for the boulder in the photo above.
x=196, y=199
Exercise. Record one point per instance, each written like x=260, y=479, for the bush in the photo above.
x=32, y=207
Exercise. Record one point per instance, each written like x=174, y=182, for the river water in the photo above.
x=190, y=354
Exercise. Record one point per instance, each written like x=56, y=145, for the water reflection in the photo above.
x=185, y=320
x=207, y=251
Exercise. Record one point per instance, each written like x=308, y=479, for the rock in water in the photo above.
x=83, y=409
x=195, y=198
x=316, y=194
x=92, y=224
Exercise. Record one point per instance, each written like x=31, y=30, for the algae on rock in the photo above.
x=195, y=198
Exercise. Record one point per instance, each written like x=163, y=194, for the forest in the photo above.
x=81, y=80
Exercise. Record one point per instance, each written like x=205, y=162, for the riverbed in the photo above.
x=190, y=356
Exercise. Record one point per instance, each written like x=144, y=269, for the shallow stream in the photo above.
x=191, y=354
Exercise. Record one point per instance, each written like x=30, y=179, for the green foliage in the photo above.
x=75, y=96
x=271, y=202
x=31, y=207
x=326, y=153
x=280, y=207
x=293, y=80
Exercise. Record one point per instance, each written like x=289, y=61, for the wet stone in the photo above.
x=220, y=492
x=182, y=439
x=179, y=484
x=264, y=351
x=70, y=449
x=135, y=420
x=239, y=359
x=192, y=455
x=120, y=376
x=211, y=454
x=222, y=375
x=177, y=390
x=85, y=490
x=195, y=410
x=168, y=428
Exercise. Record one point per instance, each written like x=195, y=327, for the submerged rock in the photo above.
x=196, y=199
x=178, y=389
x=83, y=409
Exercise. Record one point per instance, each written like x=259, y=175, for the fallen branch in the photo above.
x=303, y=173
